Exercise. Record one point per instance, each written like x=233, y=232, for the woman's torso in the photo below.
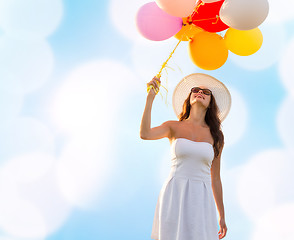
x=184, y=129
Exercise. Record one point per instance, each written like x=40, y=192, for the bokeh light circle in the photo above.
x=84, y=169
x=123, y=16
x=91, y=95
x=276, y=224
x=259, y=182
x=235, y=124
x=286, y=69
x=31, y=203
x=280, y=13
x=30, y=18
x=285, y=119
x=25, y=135
x=25, y=65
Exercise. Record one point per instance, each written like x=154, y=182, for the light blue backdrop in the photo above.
x=73, y=80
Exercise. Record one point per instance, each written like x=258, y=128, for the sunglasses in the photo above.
x=197, y=89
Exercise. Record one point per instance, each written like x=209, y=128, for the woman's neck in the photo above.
x=197, y=115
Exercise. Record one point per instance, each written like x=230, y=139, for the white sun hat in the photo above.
x=219, y=91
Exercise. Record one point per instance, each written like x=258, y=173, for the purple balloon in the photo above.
x=155, y=24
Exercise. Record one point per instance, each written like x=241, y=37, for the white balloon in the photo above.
x=244, y=15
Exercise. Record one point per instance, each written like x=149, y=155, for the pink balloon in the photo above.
x=155, y=24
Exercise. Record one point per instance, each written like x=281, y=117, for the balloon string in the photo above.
x=166, y=103
x=164, y=65
x=196, y=11
x=216, y=17
x=197, y=7
x=189, y=18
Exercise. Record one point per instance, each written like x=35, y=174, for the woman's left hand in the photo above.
x=223, y=228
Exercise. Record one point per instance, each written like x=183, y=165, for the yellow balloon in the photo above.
x=187, y=31
x=208, y=50
x=243, y=43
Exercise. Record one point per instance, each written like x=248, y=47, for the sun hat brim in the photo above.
x=219, y=90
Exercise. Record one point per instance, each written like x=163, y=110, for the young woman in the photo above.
x=186, y=206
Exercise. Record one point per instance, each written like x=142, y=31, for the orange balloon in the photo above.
x=187, y=31
x=208, y=50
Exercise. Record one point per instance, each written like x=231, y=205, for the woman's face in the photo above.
x=200, y=97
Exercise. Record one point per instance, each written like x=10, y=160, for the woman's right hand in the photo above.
x=156, y=84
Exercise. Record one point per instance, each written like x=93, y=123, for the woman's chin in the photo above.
x=198, y=102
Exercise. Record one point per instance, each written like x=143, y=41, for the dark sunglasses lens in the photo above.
x=195, y=89
x=207, y=91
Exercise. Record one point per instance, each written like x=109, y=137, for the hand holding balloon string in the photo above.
x=155, y=84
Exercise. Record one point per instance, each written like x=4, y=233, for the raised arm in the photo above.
x=146, y=132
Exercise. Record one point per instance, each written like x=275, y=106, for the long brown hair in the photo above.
x=211, y=119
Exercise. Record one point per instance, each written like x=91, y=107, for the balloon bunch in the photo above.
x=200, y=21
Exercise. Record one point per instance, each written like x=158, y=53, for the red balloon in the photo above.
x=207, y=17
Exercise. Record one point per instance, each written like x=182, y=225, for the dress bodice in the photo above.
x=191, y=159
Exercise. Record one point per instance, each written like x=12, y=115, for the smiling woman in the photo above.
x=210, y=115
x=186, y=204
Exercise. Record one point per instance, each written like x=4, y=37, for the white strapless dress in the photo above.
x=186, y=208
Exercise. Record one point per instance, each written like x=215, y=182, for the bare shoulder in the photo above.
x=172, y=123
x=173, y=126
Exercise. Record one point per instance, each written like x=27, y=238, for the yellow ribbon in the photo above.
x=164, y=65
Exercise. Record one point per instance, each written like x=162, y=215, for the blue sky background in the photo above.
x=73, y=80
